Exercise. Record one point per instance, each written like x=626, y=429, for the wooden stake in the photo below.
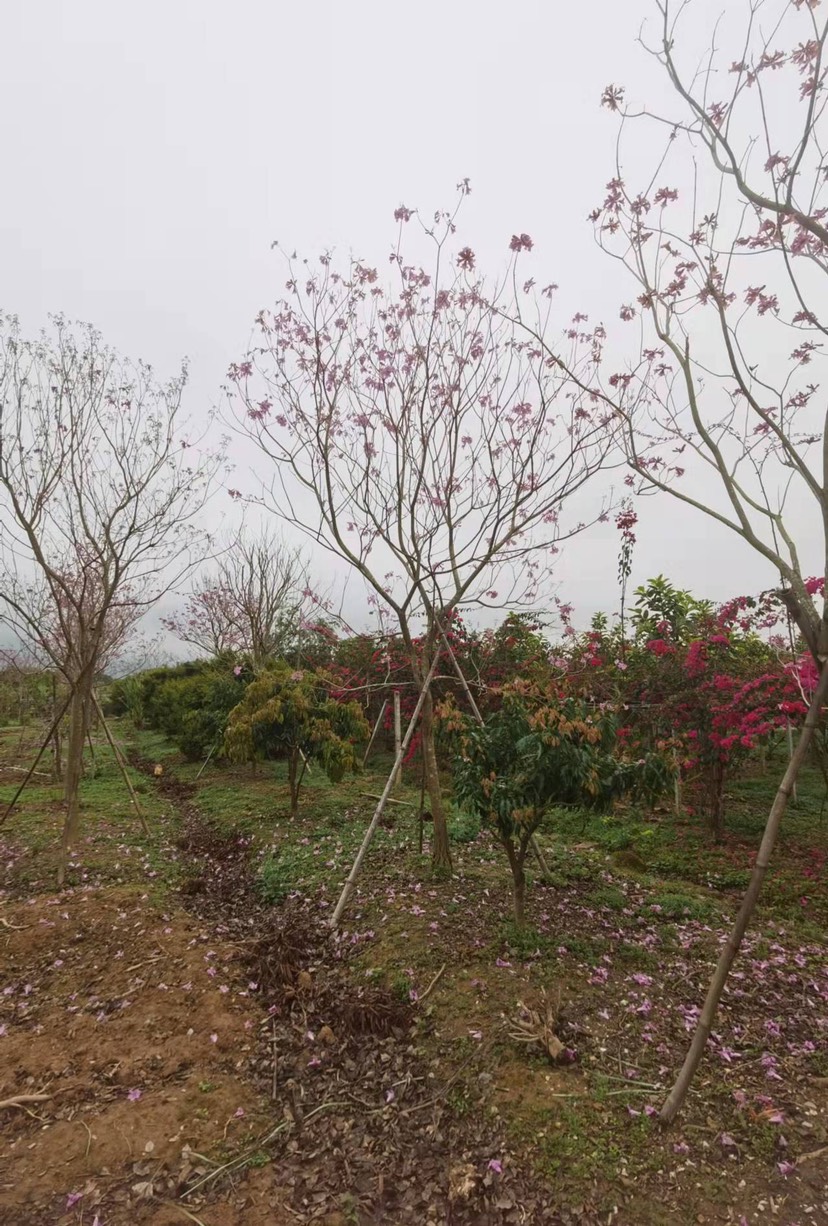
x=677, y=1095
x=206, y=760
x=122, y=764
x=391, y=800
x=397, y=736
x=376, y=730
x=383, y=800
x=676, y=785
x=40, y=754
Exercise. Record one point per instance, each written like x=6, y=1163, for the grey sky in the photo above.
x=152, y=153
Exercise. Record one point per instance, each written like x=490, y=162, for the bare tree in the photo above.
x=720, y=406
x=252, y=602
x=100, y=495
x=414, y=433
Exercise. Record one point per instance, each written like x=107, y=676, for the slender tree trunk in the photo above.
x=717, y=802
x=78, y=722
x=679, y=1091
x=440, y=847
x=57, y=768
x=517, y=859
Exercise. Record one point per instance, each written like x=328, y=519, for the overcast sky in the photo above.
x=153, y=151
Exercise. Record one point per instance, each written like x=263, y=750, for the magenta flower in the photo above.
x=495, y=1165
x=134, y=1095
x=520, y=242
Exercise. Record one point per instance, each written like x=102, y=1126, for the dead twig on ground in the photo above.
x=18, y=1100
x=432, y=985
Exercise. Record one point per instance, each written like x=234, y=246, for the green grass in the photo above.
x=660, y=869
x=112, y=848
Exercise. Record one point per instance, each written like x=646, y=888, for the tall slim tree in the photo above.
x=101, y=493
x=412, y=430
x=726, y=240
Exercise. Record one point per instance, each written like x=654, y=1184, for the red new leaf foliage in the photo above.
x=713, y=688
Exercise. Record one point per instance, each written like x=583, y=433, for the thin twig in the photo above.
x=19, y=1099
x=253, y=1149
x=146, y=962
x=634, y=1090
x=389, y=800
x=432, y=985
x=275, y=1061
x=172, y=1204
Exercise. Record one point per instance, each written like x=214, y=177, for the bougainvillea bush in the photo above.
x=707, y=684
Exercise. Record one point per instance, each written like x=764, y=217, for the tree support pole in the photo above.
x=40, y=754
x=383, y=800
x=397, y=736
x=122, y=764
x=376, y=730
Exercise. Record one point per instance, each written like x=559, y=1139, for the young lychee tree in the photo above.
x=290, y=713
x=538, y=750
x=412, y=429
x=727, y=245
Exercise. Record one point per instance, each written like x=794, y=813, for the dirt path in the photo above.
x=170, y=1042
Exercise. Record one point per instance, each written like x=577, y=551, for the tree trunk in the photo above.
x=440, y=847
x=78, y=721
x=57, y=768
x=717, y=802
x=691, y=1062
x=517, y=858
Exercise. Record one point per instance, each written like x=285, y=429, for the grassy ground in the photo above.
x=619, y=946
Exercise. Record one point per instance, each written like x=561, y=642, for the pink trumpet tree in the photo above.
x=726, y=243
x=412, y=428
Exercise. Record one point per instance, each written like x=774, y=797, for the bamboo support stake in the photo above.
x=727, y=956
x=397, y=736
x=376, y=730
x=206, y=760
x=40, y=754
x=383, y=800
x=122, y=764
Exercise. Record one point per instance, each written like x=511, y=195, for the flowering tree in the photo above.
x=415, y=432
x=100, y=493
x=251, y=603
x=728, y=281
x=698, y=680
x=728, y=284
